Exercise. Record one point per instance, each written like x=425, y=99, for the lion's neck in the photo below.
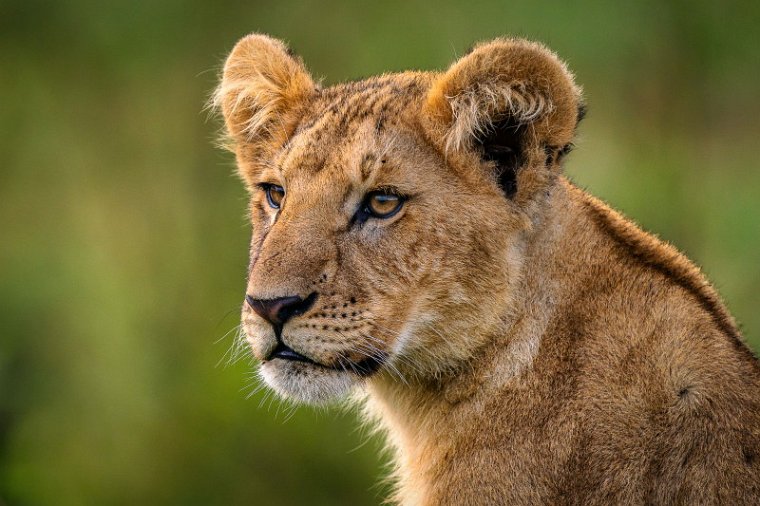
x=422, y=417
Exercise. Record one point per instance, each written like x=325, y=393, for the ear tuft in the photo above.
x=507, y=80
x=263, y=88
x=475, y=111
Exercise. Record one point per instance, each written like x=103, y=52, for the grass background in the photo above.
x=123, y=240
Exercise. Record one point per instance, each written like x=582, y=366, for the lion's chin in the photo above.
x=306, y=382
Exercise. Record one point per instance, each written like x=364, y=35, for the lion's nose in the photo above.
x=280, y=310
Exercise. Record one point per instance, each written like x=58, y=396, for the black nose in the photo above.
x=280, y=310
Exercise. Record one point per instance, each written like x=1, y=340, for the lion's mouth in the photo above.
x=285, y=352
x=362, y=368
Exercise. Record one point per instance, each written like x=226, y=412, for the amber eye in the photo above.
x=274, y=193
x=380, y=204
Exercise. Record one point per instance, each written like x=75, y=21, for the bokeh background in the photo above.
x=123, y=239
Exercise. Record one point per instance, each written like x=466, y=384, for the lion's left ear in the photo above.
x=511, y=101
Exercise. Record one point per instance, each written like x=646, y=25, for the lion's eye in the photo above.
x=275, y=194
x=380, y=204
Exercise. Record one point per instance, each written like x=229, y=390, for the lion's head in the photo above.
x=388, y=214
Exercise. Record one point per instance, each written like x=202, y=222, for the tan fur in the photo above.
x=535, y=346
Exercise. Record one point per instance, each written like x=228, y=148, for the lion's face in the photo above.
x=387, y=245
x=373, y=252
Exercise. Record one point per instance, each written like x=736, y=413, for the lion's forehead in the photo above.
x=348, y=126
x=376, y=97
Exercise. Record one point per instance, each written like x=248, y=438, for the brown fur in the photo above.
x=535, y=346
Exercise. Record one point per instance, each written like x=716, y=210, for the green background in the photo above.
x=123, y=240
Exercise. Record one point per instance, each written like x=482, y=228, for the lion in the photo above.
x=416, y=244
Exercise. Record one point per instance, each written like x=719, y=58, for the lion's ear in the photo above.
x=262, y=91
x=511, y=100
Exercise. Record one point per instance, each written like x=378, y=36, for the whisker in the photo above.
x=236, y=348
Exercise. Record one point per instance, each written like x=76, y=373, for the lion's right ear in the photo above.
x=263, y=91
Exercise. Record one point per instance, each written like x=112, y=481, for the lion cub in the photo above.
x=518, y=340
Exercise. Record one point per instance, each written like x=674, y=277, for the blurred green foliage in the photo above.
x=123, y=240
